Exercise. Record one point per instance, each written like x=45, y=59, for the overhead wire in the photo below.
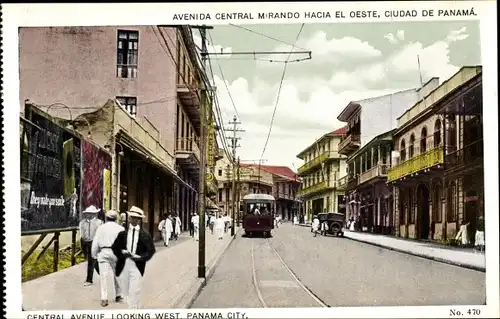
x=224, y=79
x=267, y=36
x=279, y=93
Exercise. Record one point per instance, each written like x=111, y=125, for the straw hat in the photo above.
x=135, y=211
x=112, y=214
x=91, y=210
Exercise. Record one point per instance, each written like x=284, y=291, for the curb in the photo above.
x=187, y=300
x=442, y=260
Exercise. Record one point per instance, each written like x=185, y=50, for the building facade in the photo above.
x=324, y=166
x=366, y=144
x=369, y=198
x=153, y=75
x=286, y=184
x=429, y=171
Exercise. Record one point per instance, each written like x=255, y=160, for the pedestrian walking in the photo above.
x=133, y=248
x=212, y=223
x=324, y=228
x=104, y=238
x=88, y=227
x=295, y=221
x=191, y=226
x=196, y=226
x=227, y=221
x=219, y=227
x=315, y=225
x=166, y=229
x=463, y=234
x=177, y=228
x=479, y=237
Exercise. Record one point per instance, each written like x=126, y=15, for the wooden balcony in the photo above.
x=189, y=94
x=342, y=183
x=187, y=153
x=416, y=164
x=318, y=187
x=470, y=156
x=351, y=143
x=352, y=182
x=378, y=171
x=283, y=195
x=317, y=161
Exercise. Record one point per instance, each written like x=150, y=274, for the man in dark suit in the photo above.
x=133, y=248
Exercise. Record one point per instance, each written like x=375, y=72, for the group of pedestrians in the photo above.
x=117, y=252
x=170, y=228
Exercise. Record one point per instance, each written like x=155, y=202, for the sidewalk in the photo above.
x=169, y=277
x=466, y=258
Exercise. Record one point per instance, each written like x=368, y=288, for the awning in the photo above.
x=149, y=157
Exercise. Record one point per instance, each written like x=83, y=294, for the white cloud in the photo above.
x=394, y=39
x=434, y=62
x=457, y=35
x=297, y=122
x=324, y=49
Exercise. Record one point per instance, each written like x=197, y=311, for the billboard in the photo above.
x=50, y=174
x=96, y=172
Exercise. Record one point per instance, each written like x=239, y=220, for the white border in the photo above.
x=15, y=15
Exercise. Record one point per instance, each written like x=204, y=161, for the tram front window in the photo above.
x=259, y=208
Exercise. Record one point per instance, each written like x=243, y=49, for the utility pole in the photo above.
x=234, y=145
x=238, y=190
x=203, y=155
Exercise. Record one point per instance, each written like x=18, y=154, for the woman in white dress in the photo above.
x=295, y=221
x=219, y=227
x=463, y=235
x=177, y=230
x=479, y=238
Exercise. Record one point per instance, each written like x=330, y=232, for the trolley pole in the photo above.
x=234, y=144
x=203, y=159
x=238, y=190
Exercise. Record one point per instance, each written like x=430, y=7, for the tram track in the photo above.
x=298, y=282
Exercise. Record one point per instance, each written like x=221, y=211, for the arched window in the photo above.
x=436, y=204
x=423, y=140
x=411, y=148
x=437, y=133
x=402, y=151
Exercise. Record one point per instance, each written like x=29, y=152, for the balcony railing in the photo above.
x=342, y=183
x=352, y=182
x=187, y=145
x=350, y=140
x=314, y=188
x=283, y=195
x=379, y=170
x=315, y=161
x=469, y=154
x=415, y=164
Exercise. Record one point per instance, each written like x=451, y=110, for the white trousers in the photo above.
x=166, y=237
x=107, y=271
x=219, y=232
x=132, y=282
x=196, y=232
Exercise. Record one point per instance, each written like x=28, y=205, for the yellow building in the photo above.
x=324, y=167
x=437, y=171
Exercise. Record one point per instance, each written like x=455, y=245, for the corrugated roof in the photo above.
x=282, y=171
x=340, y=131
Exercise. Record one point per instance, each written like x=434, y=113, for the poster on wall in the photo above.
x=95, y=162
x=51, y=157
x=106, y=173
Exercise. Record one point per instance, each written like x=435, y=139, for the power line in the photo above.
x=266, y=36
x=279, y=92
x=224, y=79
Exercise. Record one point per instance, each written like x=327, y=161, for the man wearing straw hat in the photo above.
x=105, y=236
x=133, y=248
x=88, y=227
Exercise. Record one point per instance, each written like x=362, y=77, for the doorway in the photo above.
x=423, y=211
x=317, y=206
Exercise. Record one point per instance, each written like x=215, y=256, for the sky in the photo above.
x=348, y=62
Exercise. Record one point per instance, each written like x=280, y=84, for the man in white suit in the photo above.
x=104, y=238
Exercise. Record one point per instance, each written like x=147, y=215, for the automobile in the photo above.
x=334, y=221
